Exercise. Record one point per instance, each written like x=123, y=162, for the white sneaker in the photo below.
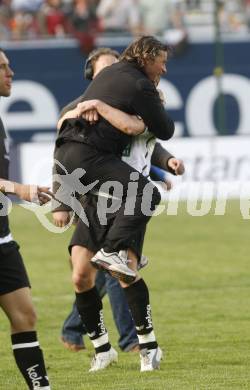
x=103, y=359
x=150, y=359
x=115, y=263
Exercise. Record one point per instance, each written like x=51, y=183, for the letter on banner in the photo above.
x=201, y=100
x=44, y=108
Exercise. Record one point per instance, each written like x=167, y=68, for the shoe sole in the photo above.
x=99, y=264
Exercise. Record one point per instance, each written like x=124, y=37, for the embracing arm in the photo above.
x=90, y=109
x=128, y=124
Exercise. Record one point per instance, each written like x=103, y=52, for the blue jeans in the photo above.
x=73, y=328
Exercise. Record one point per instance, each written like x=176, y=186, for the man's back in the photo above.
x=115, y=85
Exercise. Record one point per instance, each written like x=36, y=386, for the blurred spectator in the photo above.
x=247, y=13
x=157, y=19
x=231, y=16
x=26, y=5
x=83, y=23
x=23, y=25
x=83, y=19
x=193, y=4
x=4, y=21
x=119, y=16
x=52, y=20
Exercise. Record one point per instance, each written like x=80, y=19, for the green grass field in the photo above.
x=199, y=278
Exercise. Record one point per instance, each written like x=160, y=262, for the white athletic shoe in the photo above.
x=103, y=359
x=115, y=263
x=150, y=359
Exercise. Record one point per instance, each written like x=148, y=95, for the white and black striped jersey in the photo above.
x=139, y=152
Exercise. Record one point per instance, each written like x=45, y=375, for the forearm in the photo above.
x=27, y=192
x=8, y=187
x=126, y=123
x=160, y=157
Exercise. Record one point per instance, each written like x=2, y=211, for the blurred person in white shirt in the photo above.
x=119, y=15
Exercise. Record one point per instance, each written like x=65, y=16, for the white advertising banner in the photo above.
x=36, y=162
x=216, y=167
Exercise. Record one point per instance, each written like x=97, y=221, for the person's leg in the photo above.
x=73, y=330
x=90, y=307
x=28, y=355
x=137, y=295
x=121, y=314
x=16, y=302
x=139, y=198
x=100, y=282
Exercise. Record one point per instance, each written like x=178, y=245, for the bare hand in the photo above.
x=33, y=193
x=61, y=218
x=44, y=195
x=87, y=105
x=88, y=110
x=176, y=165
x=91, y=116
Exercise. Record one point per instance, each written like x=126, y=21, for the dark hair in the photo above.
x=95, y=54
x=93, y=57
x=144, y=48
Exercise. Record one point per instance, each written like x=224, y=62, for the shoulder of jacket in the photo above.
x=144, y=84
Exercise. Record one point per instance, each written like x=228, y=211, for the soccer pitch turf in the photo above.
x=198, y=276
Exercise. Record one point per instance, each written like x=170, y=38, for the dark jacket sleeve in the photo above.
x=148, y=106
x=160, y=158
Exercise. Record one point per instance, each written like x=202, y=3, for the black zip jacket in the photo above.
x=124, y=86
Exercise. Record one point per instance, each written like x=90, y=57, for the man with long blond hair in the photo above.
x=128, y=86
